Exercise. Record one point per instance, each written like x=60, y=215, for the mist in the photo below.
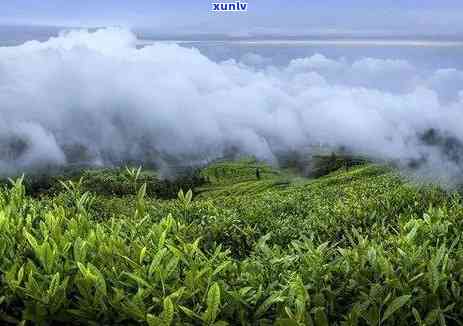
x=96, y=98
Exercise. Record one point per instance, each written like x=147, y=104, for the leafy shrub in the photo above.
x=112, y=182
x=362, y=247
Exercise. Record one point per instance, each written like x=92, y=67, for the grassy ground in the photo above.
x=356, y=247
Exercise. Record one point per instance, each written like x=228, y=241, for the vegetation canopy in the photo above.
x=357, y=246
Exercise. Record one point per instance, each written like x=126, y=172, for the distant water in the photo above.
x=427, y=54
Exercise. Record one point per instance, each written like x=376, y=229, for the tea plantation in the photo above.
x=362, y=246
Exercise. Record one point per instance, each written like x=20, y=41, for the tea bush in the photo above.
x=357, y=247
x=118, y=182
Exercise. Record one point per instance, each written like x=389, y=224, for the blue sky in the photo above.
x=263, y=16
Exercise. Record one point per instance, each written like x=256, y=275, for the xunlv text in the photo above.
x=232, y=6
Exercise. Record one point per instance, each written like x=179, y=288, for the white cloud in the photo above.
x=99, y=91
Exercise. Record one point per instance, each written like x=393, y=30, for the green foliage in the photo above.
x=361, y=247
x=111, y=182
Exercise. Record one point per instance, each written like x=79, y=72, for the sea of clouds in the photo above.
x=97, y=97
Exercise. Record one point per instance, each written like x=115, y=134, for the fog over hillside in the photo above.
x=97, y=98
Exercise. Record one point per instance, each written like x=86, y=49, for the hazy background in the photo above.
x=264, y=17
x=175, y=82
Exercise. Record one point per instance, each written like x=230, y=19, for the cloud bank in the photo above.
x=95, y=97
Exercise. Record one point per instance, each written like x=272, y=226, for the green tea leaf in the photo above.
x=168, y=312
x=213, y=304
x=395, y=305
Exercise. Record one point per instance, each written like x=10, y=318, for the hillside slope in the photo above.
x=357, y=247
